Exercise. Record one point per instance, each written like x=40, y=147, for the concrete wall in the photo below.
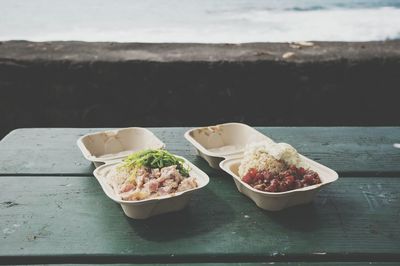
x=76, y=84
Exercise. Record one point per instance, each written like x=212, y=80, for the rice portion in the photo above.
x=269, y=156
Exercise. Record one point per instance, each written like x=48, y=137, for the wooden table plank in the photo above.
x=354, y=218
x=245, y=264
x=352, y=151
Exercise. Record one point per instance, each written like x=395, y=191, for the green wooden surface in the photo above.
x=356, y=151
x=71, y=216
x=53, y=211
x=247, y=264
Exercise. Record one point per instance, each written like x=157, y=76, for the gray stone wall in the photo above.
x=76, y=84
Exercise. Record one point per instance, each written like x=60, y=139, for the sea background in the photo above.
x=202, y=21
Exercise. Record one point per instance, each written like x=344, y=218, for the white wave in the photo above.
x=240, y=25
x=323, y=25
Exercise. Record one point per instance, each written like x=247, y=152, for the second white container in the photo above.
x=274, y=201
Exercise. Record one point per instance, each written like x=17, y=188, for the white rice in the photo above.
x=270, y=156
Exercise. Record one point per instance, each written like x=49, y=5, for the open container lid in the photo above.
x=214, y=143
x=111, y=145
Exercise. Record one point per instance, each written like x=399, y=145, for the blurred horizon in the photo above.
x=205, y=21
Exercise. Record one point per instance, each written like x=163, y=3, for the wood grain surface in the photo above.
x=351, y=151
x=52, y=210
x=72, y=217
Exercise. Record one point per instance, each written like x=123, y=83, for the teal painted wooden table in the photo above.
x=52, y=210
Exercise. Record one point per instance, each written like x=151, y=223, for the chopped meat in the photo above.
x=127, y=187
x=187, y=183
x=156, y=172
x=144, y=183
x=170, y=185
x=291, y=178
x=153, y=185
x=170, y=172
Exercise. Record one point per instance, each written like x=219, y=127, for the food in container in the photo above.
x=268, y=161
x=150, y=174
x=151, y=182
x=275, y=167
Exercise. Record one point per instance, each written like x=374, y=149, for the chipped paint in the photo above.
x=319, y=253
x=8, y=231
x=376, y=196
x=9, y=204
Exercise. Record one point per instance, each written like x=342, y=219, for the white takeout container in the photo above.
x=214, y=143
x=149, y=207
x=111, y=145
x=222, y=146
x=274, y=201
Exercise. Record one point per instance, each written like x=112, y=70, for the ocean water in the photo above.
x=203, y=21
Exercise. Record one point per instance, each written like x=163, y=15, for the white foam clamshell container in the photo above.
x=149, y=207
x=222, y=146
x=111, y=145
x=108, y=148
x=215, y=143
